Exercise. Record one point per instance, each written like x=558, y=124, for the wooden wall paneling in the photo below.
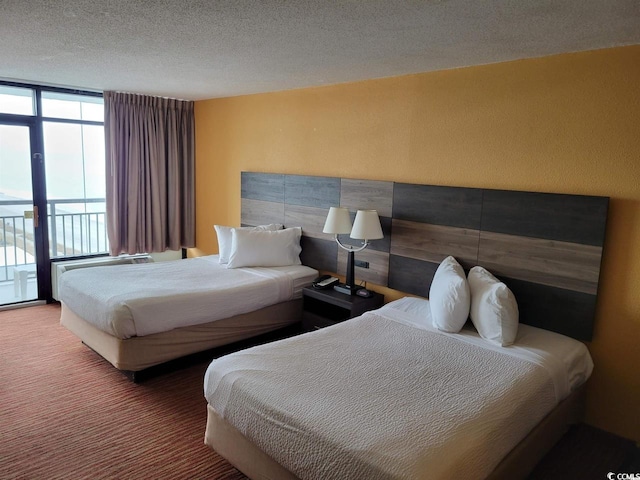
x=307, y=201
x=321, y=192
x=564, y=311
x=433, y=243
x=378, y=271
x=452, y=206
x=262, y=186
x=546, y=247
x=259, y=212
x=429, y=223
x=319, y=254
x=560, y=264
x=311, y=219
x=367, y=195
x=410, y=275
x=569, y=218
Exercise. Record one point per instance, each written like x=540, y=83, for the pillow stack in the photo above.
x=491, y=305
x=224, y=238
x=262, y=246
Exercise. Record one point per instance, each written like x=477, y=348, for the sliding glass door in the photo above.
x=19, y=217
x=52, y=185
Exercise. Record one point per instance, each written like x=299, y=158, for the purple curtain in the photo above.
x=150, y=150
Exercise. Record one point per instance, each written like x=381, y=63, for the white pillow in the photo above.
x=449, y=296
x=494, y=310
x=263, y=248
x=224, y=238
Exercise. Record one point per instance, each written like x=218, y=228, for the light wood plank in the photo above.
x=311, y=219
x=367, y=195
x=432, y=243
x=571, y=266
x=259, y=212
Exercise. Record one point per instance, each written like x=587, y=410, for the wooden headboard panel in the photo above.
x=546, y=247
x=304, y=201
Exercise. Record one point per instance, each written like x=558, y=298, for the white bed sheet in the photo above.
x=142, y=299
x=387, y=396
x=566, y=359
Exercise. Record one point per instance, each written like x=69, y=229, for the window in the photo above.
x=17, y=100
x=52, y=159
x=73, y=107
x=75, y=172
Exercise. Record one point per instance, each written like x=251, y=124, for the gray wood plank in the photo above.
x=451, y=206
x=319, y=254
x=262, y=186
x=410, y=275
x=569, y=218
x=564, y=311
x=367, y=195
x=321, y=192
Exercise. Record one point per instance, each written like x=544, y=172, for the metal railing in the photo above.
x=79, y=233
x=71, y=233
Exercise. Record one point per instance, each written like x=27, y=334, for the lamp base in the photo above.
x=344, y=288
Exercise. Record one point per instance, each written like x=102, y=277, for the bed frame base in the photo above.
x=227, y=441
x=139, y=376
x=142, y=357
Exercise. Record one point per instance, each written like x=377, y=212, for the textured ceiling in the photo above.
x=204, y=49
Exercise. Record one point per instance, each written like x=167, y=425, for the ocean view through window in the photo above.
x=52, y=183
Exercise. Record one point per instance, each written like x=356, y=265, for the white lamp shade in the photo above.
x=367, y=226
x=338, y=221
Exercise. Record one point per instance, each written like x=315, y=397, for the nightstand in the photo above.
x=323, y=308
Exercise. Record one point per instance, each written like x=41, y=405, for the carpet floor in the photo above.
x=65, y=413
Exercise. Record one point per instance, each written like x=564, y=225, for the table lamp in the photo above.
x=366, y=227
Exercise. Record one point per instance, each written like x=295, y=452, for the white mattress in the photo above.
x=142, y=299
x=566, y=359
x=387, y=396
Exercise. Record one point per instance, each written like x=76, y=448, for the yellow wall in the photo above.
x=568, y=123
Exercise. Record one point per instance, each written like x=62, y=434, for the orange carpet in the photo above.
x=67, y=414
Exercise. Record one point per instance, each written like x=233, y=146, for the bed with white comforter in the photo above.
x=387, y=396
x=140, y=315
x=138, y=300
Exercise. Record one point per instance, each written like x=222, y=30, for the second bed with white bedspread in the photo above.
x=387, y=396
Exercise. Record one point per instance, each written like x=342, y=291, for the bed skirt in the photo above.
x=225, y=439
x=138, y=353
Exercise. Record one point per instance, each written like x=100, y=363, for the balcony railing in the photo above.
x=71, y=233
